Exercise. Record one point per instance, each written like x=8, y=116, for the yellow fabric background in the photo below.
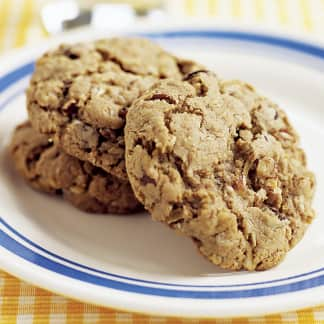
x=20, y=24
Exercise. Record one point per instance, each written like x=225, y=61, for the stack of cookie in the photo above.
x=212, y=159
x=77, y=101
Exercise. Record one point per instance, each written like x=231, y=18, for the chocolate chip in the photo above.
x=193, y=74
x=146, y=180
x=122, y=113
x=164, y=97
x=71, y=110
x=71, y=55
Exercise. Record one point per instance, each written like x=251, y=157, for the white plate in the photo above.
x=132, y=263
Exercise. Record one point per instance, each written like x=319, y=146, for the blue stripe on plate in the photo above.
x=9, y=243
x=25, y=253
x=12, y=77
x=282, y=42
x=73, y=263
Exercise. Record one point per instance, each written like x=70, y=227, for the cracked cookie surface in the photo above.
x=221, y=164
x=80, y=94
x=46, y=168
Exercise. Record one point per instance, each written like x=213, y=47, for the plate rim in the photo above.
x=303, y=42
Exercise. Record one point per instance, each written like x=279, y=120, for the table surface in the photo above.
x=20, y=23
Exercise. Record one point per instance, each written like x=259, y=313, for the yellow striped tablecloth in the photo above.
x=20, y=24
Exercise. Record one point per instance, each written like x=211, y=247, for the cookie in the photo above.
x=80, y=94
x=48, y=169
x=221, y=164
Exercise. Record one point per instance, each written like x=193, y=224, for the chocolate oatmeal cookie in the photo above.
x=80, y=94
x=48, y=169
x=221, y=164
